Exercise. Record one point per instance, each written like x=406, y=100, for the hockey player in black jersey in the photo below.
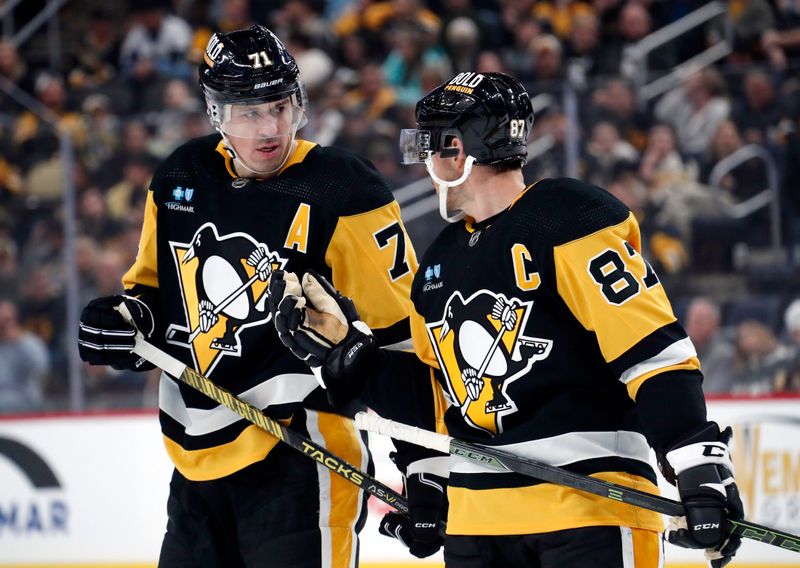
x=223, y=212
x=539, y=328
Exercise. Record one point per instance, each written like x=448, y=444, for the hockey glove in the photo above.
x=322, y=327
x=427, y=502
x=701, y=465
x=105, y=338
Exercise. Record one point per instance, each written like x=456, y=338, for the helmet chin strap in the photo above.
x=443, y=186
x=238, y=159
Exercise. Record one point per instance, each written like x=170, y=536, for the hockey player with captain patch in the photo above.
x=223, y=214
x=540, y=329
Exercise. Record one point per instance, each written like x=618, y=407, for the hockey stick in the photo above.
x=175, y=368
x=500, y=460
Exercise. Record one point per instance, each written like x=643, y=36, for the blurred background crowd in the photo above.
x=687, y=111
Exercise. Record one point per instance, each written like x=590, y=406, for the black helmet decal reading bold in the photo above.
x=492, y=112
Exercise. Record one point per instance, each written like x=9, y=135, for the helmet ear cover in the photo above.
x=446, y=149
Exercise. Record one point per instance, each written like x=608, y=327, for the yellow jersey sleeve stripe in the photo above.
x=145, y=269
x=353, y=252
x=618, y=326
x=420, y=340
x=252, y=445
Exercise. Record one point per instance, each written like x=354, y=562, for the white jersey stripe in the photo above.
x=628, y=560
x=280, y=389
x=570, y=448
x=676, y=353
x=323, y=474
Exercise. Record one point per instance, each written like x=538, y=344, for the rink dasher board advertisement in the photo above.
x=84, y=490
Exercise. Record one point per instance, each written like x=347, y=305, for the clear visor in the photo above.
x=258, y=119
x=415, y=145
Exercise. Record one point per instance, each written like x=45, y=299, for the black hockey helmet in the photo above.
x=490, y=112
x=249, y=67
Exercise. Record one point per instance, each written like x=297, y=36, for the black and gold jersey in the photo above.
x=544, y=323
x=209, y=242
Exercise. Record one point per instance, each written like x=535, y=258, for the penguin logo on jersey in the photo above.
x=224, y=283
x=481, y=351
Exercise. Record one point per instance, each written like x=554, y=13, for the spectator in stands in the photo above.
x=662, y=165
x=560, y=15
x=791, y=321
x=614, y=100
x=482, y=14
x=750, y=20
x=35, y=141
x=102, y=131
x=13, y=68
x=136, y=140
x=746, y=179
x=9, y=268
x=372, y=96
x=382, y=18
x=127, y=197
x=94, y=218
x=781, y=42
x=634, y=25
x=486, y=62
x=403, y=66
x=695, y=109
x=305, y=18
x=154, y=49
x=178, y=102
x=86, y=254
x=24, y=364
x=583, y=45
x=42, y=311
x=604, y=151
x=548, y=65
x=462, y=42
x=676, y=200
x=758, y=113
x=790, y=187
x=43, y=247
x=761, y=360
x=517, y=56
x=716, y=353
x=317, y=67
x=93, y=57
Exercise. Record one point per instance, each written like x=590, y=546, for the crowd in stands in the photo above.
x=126, y=92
